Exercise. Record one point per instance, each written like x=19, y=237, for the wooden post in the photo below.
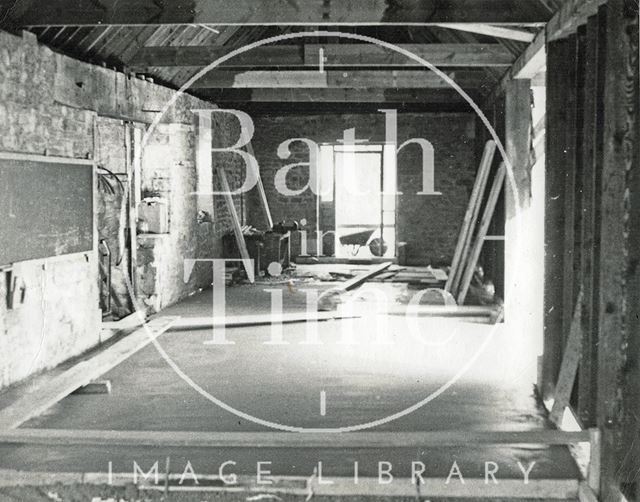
x=558, y=53
x=569, y=169
x=619, y=270
x=520, y=248
x=590, y=228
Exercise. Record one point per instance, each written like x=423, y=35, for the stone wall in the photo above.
x=53, y=105
x=429, y=224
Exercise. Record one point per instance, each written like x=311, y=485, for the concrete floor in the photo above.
x=362, y=382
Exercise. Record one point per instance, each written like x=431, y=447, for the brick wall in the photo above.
x=53, y=105
x=429, y=224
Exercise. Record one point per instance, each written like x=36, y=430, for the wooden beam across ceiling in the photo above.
x=335, y=55
x=336, y=79
x=289, y=12
x=421, y=96
x=492, y=31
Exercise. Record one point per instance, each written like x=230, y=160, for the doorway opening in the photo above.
x=359, y=183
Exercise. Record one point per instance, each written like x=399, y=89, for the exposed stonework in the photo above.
x=53, y=105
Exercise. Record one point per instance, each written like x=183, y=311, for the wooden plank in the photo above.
x=586, y=493
x=334, y=79
x=491, y=31
x=97, y=387
x=593, y=471
x=457, y=311
x=299, y=486
x=195, y=439
x=328, y=299
x=341, y=55
x=197, y=323
x=531, y=62
x=487, y=216
x=300, y=12
x=262, y=195
x=618, y=273
x=587, y=382
x=569, y=367
x=49, y=393
x=470, y=217
x=359, y=279
x=237, y=226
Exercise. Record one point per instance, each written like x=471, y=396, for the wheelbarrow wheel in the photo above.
x=378, y=247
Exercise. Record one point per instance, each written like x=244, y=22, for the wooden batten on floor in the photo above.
x=300, y=439
x=326, y=301
x=197, y=323
x=98, y=387
x=247, y=486
x=49, y=393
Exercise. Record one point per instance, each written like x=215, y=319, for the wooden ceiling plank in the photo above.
x=136, y=43
x=98, y=38
x=58, y=33
x=69, y=38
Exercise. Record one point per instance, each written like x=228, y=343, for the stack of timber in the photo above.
x=473, y=233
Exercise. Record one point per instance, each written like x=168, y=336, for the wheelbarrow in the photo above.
x=356, y=240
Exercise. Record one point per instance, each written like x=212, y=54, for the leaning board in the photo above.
x=46, y=207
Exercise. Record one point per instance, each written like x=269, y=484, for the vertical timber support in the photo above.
x=558, y=53
x=570, y=171
x=590, y=228
x=619, y=255
x=520, y=272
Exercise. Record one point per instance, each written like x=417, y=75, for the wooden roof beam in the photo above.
x=335, y=79
x=492, y=31
x=532, y=61
x=294, y=12
x=336, y=55
x=417, y=96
